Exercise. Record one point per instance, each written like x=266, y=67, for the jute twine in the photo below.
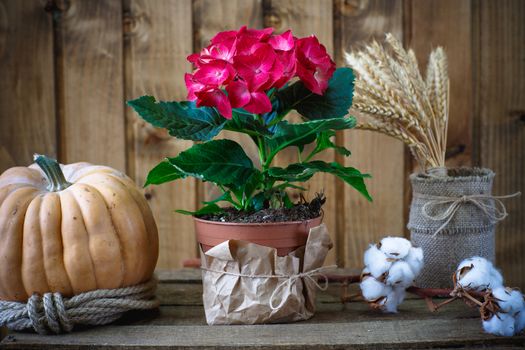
x=453, y=218
x=52, y=313
x=289, y=280
x=491, y=206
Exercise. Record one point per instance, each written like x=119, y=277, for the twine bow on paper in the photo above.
x=495, y=213
x=289, y=280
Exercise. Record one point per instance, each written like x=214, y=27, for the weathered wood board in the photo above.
x=156, y=50
x=501, y=125
x=27, y=92
x=180, y=324
x=90, y=83
x=363, y=222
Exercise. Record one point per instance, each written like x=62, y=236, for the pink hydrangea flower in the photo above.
x=284, y=46
x=252, y=101
x=289, y=62
x=192, y=86
x=260, y=69
x=215, y=98
x=214, y=73
x=249, y=62
x=314, y=65
x=283, y=42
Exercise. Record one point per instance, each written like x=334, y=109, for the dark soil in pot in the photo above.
x=299, y=212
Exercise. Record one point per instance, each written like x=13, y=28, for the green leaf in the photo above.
x=222, y=162
x=304, y=171
x=287, y=201
x=244, y=191
x=252, y=183
x=335, y=102
x=225, y=197
x=286, y=185
x=208, y=209
x=182, y=119
x=301, y=134
x=247, y=123
x=272, y=118
x=257, y=202
x=163, y=172
x=324, y=142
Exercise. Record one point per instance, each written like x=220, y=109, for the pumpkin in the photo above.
x=72, y=228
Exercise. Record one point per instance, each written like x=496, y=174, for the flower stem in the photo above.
x=262, y=152
x=261, y=146
x=299, y=156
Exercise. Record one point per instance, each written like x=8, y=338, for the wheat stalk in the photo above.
x=395, y=99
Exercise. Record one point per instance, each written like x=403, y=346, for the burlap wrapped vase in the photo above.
x=453, y=216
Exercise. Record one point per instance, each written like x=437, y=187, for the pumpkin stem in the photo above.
x=54, y=175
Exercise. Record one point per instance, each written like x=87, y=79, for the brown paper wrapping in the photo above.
x=246, y=283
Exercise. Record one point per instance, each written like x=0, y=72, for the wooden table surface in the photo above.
x=180, y=324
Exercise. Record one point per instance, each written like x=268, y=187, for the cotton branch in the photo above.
x=469, y=297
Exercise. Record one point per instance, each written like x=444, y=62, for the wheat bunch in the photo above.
x=395, y=100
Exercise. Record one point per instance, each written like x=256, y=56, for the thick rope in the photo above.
x=54, y=314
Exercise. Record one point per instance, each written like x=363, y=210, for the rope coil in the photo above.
x=52, y=313
x=289, y=280
x=495, y=213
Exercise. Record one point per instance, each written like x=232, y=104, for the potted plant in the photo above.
x=453, y=214
x=248, y=81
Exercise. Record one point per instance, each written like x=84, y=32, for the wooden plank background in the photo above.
x=69, y=66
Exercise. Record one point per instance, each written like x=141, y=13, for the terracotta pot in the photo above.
x=284, y=236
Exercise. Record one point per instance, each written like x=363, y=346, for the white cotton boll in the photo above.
x=393, y=300
x=477, y=261
x=390, y=304
x=395, y=247
x=478, y=274
x=496, y=279
x=415, y=260
x=500, y=324
x=372, y=289
x=519, y=321
x=376, y=261
x=476, y=279
x=509, y=301
x=400, y=274
x=400, y=294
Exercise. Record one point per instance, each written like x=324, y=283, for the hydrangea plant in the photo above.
x=248, y=81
